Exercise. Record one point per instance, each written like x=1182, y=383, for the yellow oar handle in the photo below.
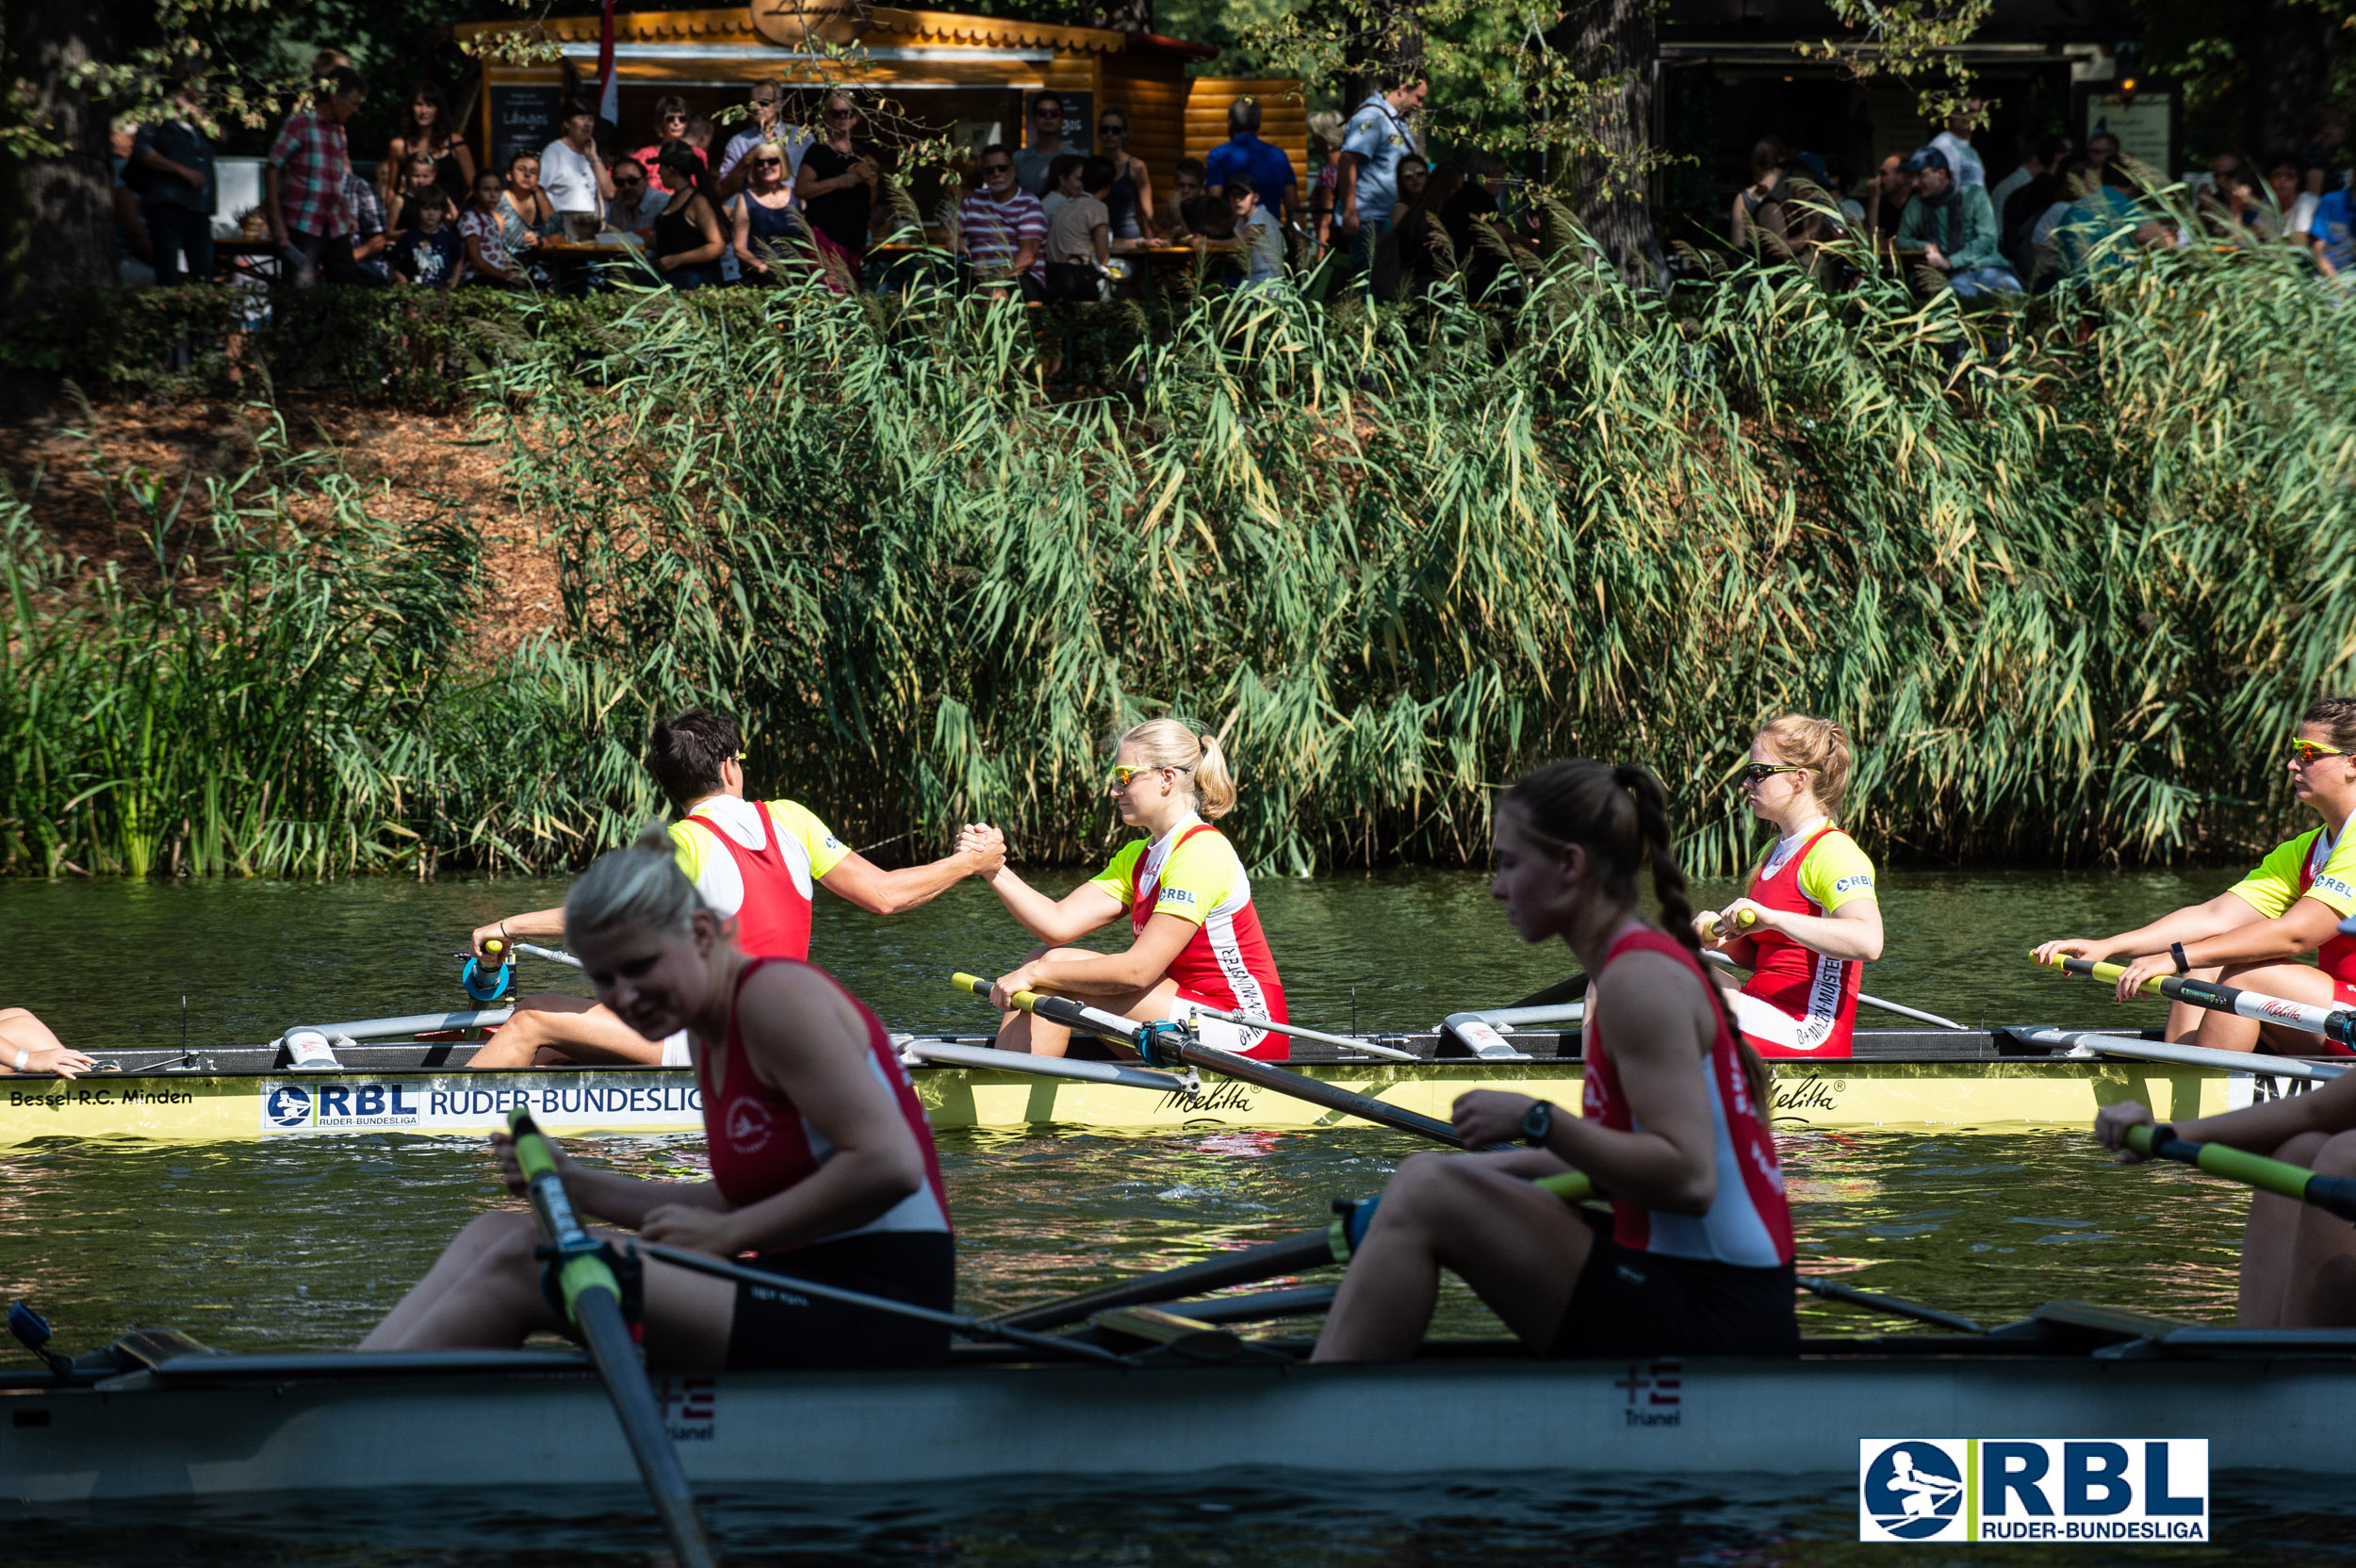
x=531, y=1145
x=1742, y=921
x=1572, y=1186
x=1023, y=1001
x=2108, y=973
x=582, y=1265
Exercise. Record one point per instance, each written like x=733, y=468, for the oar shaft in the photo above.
x=1267, y=1075
x=2337, y=1024
x=1295, y=1254
x=1294, y=1031
x=593, y=1298
x=973, y=1328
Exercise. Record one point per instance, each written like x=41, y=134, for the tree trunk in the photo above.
x=56, y=213
x=1613, y=41
x=2292, y=75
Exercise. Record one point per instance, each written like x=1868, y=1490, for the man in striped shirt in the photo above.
x=1001, y=230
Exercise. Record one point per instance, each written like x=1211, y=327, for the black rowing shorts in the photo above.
x=779, y=1326
x=1629, y=1303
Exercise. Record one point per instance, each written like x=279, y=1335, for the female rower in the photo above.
x=1196, y=936
x=27, y=1045
x=1696, y=1258
x=822, y=1162
x=2298, y=1261
x=1817, y=922
x=2292, y=904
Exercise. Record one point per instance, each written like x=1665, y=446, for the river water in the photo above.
x=302, y=1244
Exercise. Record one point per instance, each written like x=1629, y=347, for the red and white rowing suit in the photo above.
x=761, y=1143
x=1748, y=1225
x=1192, y=871
x=1798, y=1002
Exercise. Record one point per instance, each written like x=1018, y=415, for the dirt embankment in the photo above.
x=101, y=478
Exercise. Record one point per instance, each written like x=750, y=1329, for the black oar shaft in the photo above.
x=1292, y=1255
x=1267, y=1075
x=593, y=1298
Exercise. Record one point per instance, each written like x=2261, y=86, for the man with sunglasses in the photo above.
x=2251, y=935
x=636, y=203
x=1032, y=163
x=754, y=862
x=767, y=103
x=1001, y=230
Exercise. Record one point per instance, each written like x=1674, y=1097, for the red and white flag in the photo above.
x=609, y=83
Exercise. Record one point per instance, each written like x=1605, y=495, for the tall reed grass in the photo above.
x=2067, y=572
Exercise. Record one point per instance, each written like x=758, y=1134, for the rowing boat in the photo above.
x=184, y=1421
x=2002, y=1080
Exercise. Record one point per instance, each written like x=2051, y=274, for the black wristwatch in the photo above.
x=2176, y=951
x=1538, y=1124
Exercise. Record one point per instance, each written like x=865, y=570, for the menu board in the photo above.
x=523, y=120
x=2143, y=125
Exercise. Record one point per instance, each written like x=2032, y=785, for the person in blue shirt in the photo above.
x=1375, y=139
x=1244, y=153
x=2333, y=231
x=429, y=255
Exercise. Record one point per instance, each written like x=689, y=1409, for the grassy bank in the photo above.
x=2067, y=574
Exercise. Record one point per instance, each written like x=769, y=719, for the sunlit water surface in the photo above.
x=304, y=1245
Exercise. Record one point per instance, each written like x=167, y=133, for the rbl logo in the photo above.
x=2033, y=1489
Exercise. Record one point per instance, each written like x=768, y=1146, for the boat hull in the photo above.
x=1950, y=1093
x=1499, y=1416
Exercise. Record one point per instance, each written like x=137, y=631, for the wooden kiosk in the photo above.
x=970, y=76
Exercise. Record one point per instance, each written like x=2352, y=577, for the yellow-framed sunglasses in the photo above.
x=2303, y=752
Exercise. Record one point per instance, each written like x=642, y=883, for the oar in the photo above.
x=972, y=1328
x=1897, y=1306
x=1293, y=1254
x=2333, y=1194
x=1148, y=1039
x=593, y=1299
x=2337, y=1024
x=496, y=946
x=1296, y=1032
x=1749, y=918
x=2086, y=1044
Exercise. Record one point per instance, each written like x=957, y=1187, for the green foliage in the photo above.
x=2067, y=586
x=2068, y=572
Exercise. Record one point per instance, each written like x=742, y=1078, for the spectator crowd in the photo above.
x=1055, y=215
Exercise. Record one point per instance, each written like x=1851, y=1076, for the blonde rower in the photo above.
x=1195, y=937
x=822, y=1160
x=1818, y=922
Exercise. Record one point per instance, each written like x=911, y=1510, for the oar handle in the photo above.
x=2333, y=1194
x=1026, y=1001
x=2108, y=973
x=1742, y=921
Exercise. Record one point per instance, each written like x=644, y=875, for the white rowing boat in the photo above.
x=185, y=1422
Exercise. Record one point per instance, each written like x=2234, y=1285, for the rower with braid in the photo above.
x=1695, y=1256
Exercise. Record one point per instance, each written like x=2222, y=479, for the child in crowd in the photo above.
x=429, y=255
x=1186, y=188
x=1263, y=241
x=1063, y=182
x=417, y=178
x=484, y=233
x=1079, y=235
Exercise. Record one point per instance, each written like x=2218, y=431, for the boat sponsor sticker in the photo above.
x=418, y=1103
x=2040, y=1489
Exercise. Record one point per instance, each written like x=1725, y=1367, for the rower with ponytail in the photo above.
x=1695, y=1256
x=1195, y=934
